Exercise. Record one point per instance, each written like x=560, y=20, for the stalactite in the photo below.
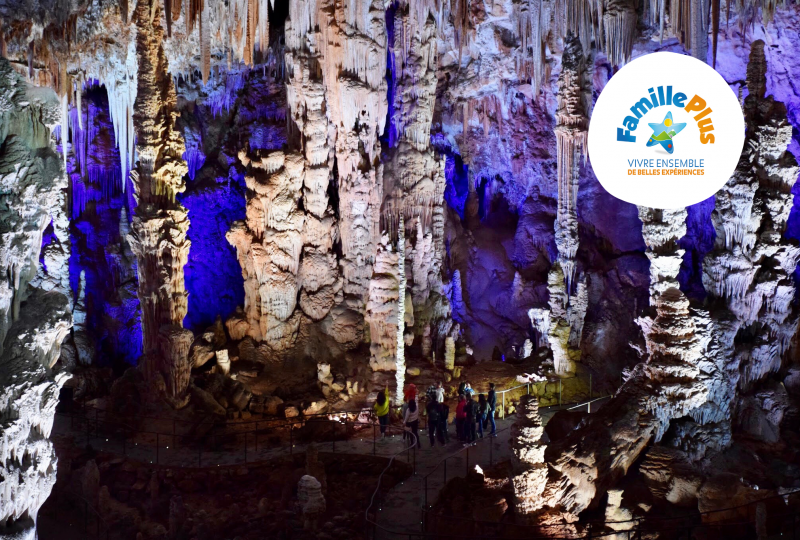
x=534, y=18
x=204, y=21
x=689, y=21
x=168, y=16
x=619, y=29
x=572, y=122
x=160, y=223
x=35, y=315
x=715, y=4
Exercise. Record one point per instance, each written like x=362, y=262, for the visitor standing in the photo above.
x=492, y=402
x=483, y=410
x=470, y=410
x=382, y=410
x=403, y=410
x=461, y=415
x=468, y=391
x=461, y=388
x=433, y=420
x=411, y=421
x=444, y=417
x=439, y=392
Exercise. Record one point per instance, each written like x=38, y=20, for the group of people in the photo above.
x=472, y=417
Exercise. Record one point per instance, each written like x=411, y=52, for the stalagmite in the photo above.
x=529, y=468
x=401, y=312
x=669, y=385
x=661, y=230
x=383, y=314
x=449, y=353
x=160, y=223
x=269, y=244
x=750, y=267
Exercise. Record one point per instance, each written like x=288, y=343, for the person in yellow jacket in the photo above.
x=381, y=407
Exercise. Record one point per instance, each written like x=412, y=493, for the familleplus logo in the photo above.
x=643, y=109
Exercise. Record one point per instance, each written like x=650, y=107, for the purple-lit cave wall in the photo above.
x=99, y=224
x=248, y=107
x=697, y=242
x=457, y=188
x=213, y=275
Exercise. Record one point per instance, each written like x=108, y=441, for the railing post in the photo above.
x=590, y=386
x=504, y=404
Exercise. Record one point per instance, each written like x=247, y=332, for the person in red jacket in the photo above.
x=461, y=416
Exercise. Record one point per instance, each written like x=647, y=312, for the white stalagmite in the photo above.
x=401, y=312
x=382, y=313
x=661, y=230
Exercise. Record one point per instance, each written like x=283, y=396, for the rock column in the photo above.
x=160, y=223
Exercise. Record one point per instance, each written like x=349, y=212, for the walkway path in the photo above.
x=399, y=510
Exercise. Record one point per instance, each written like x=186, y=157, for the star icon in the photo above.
x=664, y=132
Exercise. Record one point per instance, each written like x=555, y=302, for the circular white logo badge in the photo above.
x=666, y=132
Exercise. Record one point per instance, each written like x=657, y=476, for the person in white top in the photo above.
x=411, y=421
x=439, y=392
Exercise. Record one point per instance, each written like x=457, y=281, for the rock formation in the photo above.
x=668, y=386
x=530, y=470
x=160, y=223
x=563, y=322
x=701, y=370
x=750, y=267
x=35, y=315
